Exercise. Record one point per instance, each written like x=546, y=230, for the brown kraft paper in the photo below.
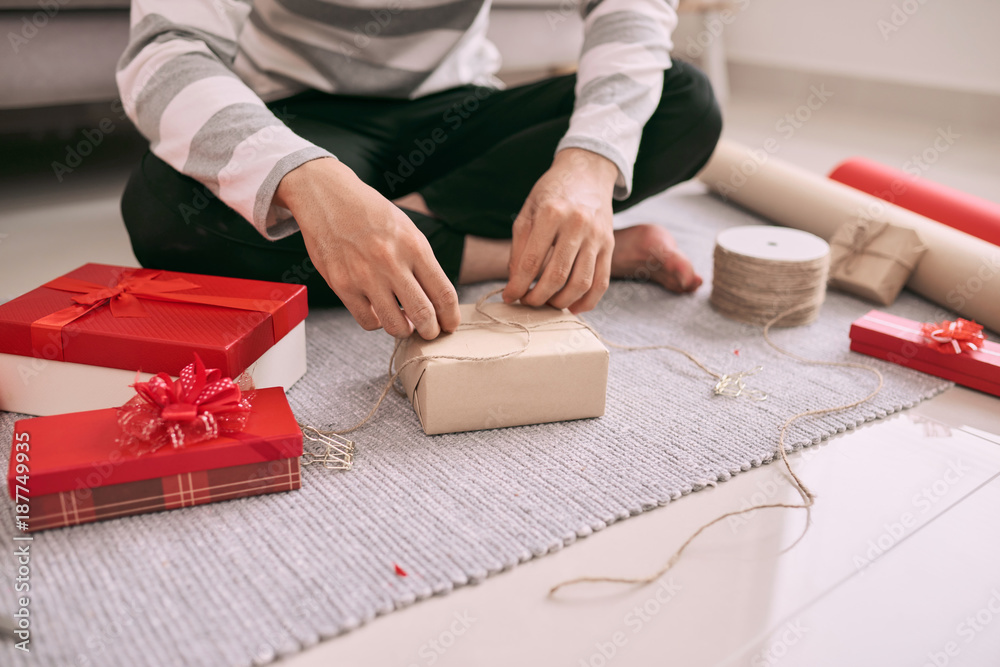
x=873, y=260
x=958, y=271
x=561, y=375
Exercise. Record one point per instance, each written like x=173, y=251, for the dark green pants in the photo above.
x=473, y=153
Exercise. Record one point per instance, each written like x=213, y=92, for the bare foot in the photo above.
x=649, y=251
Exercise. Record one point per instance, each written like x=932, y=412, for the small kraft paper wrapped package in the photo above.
x=953, y=350
x=171, y=447
x=77, y=342
x=558, y=373
x=873, y=259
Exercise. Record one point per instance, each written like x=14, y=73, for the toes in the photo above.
x=652, y=250
x=676, y=273
x=691, y=285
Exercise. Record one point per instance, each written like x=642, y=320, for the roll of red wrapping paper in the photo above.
x=965, y=212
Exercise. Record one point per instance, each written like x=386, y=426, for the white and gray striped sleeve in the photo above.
x=625, y=50
x=177, y=86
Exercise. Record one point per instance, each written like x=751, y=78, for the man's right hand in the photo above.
x=368, y=251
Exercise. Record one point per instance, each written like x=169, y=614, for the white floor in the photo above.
x=901, y=552
x=901, y=565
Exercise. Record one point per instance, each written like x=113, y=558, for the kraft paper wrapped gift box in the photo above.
x=561, y=375
x=901, y=341
x=873, y=259
x=77, y=342
x=71, y=469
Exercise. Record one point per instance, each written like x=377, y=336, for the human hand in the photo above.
x=564, y=232
x=368, y=251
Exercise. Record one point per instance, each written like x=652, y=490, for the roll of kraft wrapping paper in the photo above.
x=972, y=215
x=959, y=271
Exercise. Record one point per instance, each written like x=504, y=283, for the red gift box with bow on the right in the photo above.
x=956, y=351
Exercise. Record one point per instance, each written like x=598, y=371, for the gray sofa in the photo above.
x=60, y=52
x=63, y=52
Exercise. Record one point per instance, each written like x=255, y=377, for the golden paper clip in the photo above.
x=734, y=385
x=334, y=451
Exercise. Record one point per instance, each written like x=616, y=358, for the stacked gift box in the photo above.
x=78, y=467
x=162, y=390
x=77, y=342
x=159, y=390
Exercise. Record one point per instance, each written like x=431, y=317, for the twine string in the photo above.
x=861, y=234
x=394, y=372
x=745, y=289
x=806, y=494
x=756, y=291
x=732, y=384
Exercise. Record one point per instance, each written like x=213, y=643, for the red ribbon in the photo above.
x=200, y=405
x=953, y=337
x=123, y=299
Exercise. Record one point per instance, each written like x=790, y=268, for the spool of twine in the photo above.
x=775, y=277
x=762, y=272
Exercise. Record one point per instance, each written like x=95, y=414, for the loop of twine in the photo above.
x=797, y=288
x=810, y=295
x=393, y=375
x=807, y=495
x=732, y=384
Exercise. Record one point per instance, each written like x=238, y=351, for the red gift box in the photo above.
x=70, y=469
x=142, y=319
x=902, y=342
x=76, y=342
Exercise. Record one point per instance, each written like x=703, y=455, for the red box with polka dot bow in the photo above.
x=71, y=469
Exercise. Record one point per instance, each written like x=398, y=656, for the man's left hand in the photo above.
x=564, y=232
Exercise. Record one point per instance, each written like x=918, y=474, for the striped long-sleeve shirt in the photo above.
x=196, y=73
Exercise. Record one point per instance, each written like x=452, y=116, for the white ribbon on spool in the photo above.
x=762, y=272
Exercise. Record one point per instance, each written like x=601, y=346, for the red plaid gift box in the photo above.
x=74, y=468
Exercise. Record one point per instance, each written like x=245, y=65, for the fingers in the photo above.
x=361, y=308
x=566, y=250
x=530, y=247
x=438, y=289
x=418, y=309
x=404, y=289
x=520, y=231
x=382, y=310
x=558, y=271
x=599, y=285
x=418, y=297
x=580, y=280
x=393, y=320
x=373, y=256
x=374, y=306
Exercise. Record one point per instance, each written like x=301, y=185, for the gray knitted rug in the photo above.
x=250, y=580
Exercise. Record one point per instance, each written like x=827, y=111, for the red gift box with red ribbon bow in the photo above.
x=954, y=350
x=145, y=320
x=81, y=467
